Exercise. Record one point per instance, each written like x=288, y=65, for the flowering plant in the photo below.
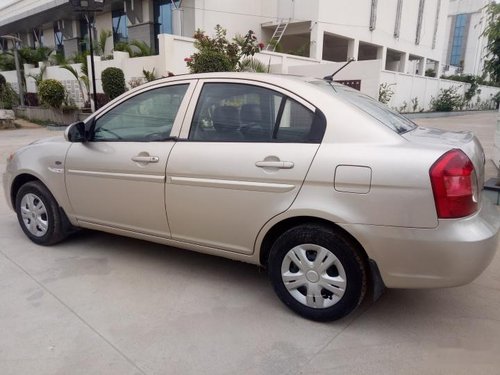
x=218, y=54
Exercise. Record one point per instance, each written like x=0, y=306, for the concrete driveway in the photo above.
x=102, y=304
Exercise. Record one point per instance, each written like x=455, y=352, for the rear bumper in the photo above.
x=454, y=253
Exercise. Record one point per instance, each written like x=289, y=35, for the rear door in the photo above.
x=247, y=149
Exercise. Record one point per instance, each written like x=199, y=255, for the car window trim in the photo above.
x=188, y=118
x=183, y=107
x=278, y=117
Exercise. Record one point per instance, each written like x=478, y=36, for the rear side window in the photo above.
x=232, y=112
x=374, y=108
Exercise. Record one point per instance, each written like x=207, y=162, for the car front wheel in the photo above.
x=38, y=214
x=317, y=272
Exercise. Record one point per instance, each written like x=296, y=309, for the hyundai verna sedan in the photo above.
x=329, y=190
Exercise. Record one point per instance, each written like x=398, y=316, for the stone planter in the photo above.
x=48, y=115
x=7, y=119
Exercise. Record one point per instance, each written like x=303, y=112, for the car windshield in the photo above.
x=379, y=111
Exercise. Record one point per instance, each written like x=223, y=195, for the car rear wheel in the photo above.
x=317, y=272
x=38, y=214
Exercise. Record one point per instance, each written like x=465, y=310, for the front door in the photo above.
x=246, y=156
x=117, y=179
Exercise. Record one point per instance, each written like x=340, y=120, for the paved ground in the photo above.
x=101, y=304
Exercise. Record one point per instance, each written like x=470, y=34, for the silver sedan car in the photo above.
x=329, y=190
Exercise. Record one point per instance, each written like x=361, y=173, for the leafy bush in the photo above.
x=34, y=55
x=149, y=76
x=7, y=61
x=385, y=92
x=31, y=99
x=113, y=82
x=218, y=54
x=51, y=92
x=430, y=73
x=102, y=99
x=210, y=61
x=447, y=100
x=8, y=96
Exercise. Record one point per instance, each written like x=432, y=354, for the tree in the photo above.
x=492, y=33
x=218, y=54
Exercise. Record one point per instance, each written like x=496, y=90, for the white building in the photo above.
x=407, y=35
x=394, y=41
x=464, y=50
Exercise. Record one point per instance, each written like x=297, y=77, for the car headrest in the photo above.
x=250, y=113
x=226, y=118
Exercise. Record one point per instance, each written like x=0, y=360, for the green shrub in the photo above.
x=210, y=61
x=51, y=92
x=447, y=100
x=385, y=92
x=113, y=82
x=8, y=96
x=218, y=54
x=7, y=61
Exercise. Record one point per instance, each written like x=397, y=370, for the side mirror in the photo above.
x=75, y=132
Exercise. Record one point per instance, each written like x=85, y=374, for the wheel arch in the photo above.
x=282, y=226
x=19, y=181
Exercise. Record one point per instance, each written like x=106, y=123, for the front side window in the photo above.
x=229, y=112
x=146, y=117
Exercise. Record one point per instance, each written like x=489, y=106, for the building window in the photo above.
x=458, y=40
x=4, y=44
x=37, y=38
x=163, y=17
x=84, y=35
x=120, y=31
x=58, y=39
x=397, y=24
x=420, y=19
x=373, y=15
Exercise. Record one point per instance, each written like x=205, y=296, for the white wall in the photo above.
x=237, y=17
x=351, y=18
x=408, y=87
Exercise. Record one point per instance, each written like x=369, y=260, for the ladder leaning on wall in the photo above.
x=277, y=35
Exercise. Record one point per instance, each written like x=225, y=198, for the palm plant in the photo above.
x=251, y=64
x=38, y=77
x=74, y=73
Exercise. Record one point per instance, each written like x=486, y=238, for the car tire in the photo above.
x=317, y=272
x=39, y=214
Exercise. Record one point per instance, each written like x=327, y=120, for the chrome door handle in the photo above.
x=146, y=159
x=275, y=164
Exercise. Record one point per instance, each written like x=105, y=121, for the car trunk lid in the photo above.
x=463, y=140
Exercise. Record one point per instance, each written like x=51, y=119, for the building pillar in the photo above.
x=317, y=40
x=71, y=47
x=177, y=17
x=404, y=62
x=382, y=55
x=421, y=66
x=352, y=49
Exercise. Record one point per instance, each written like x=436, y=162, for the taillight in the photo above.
x=454, y=185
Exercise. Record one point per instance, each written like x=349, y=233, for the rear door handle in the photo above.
x=275, y=164
x=146, y=159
